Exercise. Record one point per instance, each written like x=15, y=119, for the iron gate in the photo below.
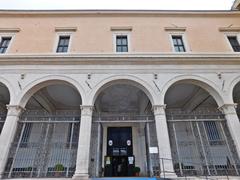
x=45, y=145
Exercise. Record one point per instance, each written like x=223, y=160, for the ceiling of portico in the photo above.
x=236, y=93
x=122, y=98
x=188, y=97
x=55, y=97
x=4, y=97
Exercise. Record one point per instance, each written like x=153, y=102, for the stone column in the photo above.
x=229, y=110
x=83, y=155
x=8, y=133
x=164, y=148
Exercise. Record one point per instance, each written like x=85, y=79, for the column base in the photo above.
x=81, y=177
x=169, y=175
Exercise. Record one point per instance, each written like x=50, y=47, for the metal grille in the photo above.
x=147, y=128
x=44, y=146
x=202, y=145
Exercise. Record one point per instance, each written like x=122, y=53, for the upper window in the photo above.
x=63, y=44
x=5, y=41
x=234, y=43
x=178, y=43
x=121, y=43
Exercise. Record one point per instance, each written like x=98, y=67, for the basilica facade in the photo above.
x=88, y=94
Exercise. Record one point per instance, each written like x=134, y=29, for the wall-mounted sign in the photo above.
x=130, y=159
x=153, y=150
x=110, y=142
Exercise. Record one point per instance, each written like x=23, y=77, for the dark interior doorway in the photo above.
x=119, y=160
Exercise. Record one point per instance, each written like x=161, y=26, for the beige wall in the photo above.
x=93, y=35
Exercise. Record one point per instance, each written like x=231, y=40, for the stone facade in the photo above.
x=91, y=65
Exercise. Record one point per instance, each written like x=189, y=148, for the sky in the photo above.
x=118, y=4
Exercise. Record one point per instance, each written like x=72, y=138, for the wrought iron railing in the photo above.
x=44, y=146
x=123, y=118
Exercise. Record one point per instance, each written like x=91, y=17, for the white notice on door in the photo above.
x=153, y=150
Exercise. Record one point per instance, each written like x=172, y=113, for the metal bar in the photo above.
x=229, y=149
x=195, y=120
x=70, y=148
x=177, y=148
x=15, y=155
x=195, y=142
x=49, y=121
x=125, y=121
x=98, y=150
x=204, y=153
x=149, y=160
x=205, y=132
x=43, y=147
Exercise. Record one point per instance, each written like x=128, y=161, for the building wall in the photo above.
x=94, y=35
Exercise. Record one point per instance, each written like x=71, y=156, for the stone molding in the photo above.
x=228, y=108
x=118, y=59
x=14, y=110
x=159, y=109
x=86, y=110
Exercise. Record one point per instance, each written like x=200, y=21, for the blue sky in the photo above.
x=118, y=4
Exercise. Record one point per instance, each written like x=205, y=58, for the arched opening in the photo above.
x=4, y=101
x=46, y=139
x=123, y=132
x=236, y=98
x=201, y=144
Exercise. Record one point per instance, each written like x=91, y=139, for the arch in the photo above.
x=131, y=80
x=233, y=84
x=207, y=85
x=40, y=83
x=10, y=88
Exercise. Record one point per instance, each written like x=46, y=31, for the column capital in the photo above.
x=15, y=110
x=159, y=109
x=86, y=110
x=228, y=108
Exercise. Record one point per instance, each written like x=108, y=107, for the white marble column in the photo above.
x=229, y=110
x=8, y=133
x=83, y=152
x=164, y=148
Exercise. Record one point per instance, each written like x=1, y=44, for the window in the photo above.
x=234, y=43
x=121, y=43
x=26, y=135
x=63, y=44
x=178, y=44
x=212, y=131
x=4, y=44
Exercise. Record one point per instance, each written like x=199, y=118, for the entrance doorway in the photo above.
x=119, y=160
x=122, y=114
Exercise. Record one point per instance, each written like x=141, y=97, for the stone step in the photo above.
x=127, y=178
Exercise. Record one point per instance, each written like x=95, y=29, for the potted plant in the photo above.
x=59, y=168
x=136, y=171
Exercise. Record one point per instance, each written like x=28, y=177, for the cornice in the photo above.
x=81, y=12
x=120, y=59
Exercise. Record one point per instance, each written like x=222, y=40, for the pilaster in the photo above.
x=229, y=110
x=165, y=155
x=8, y=133
x=83, y=152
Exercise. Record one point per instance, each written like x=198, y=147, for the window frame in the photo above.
x=184, y=40
x=124, y=33
x=232, y=34
x=6, y=35
x=58, y=35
